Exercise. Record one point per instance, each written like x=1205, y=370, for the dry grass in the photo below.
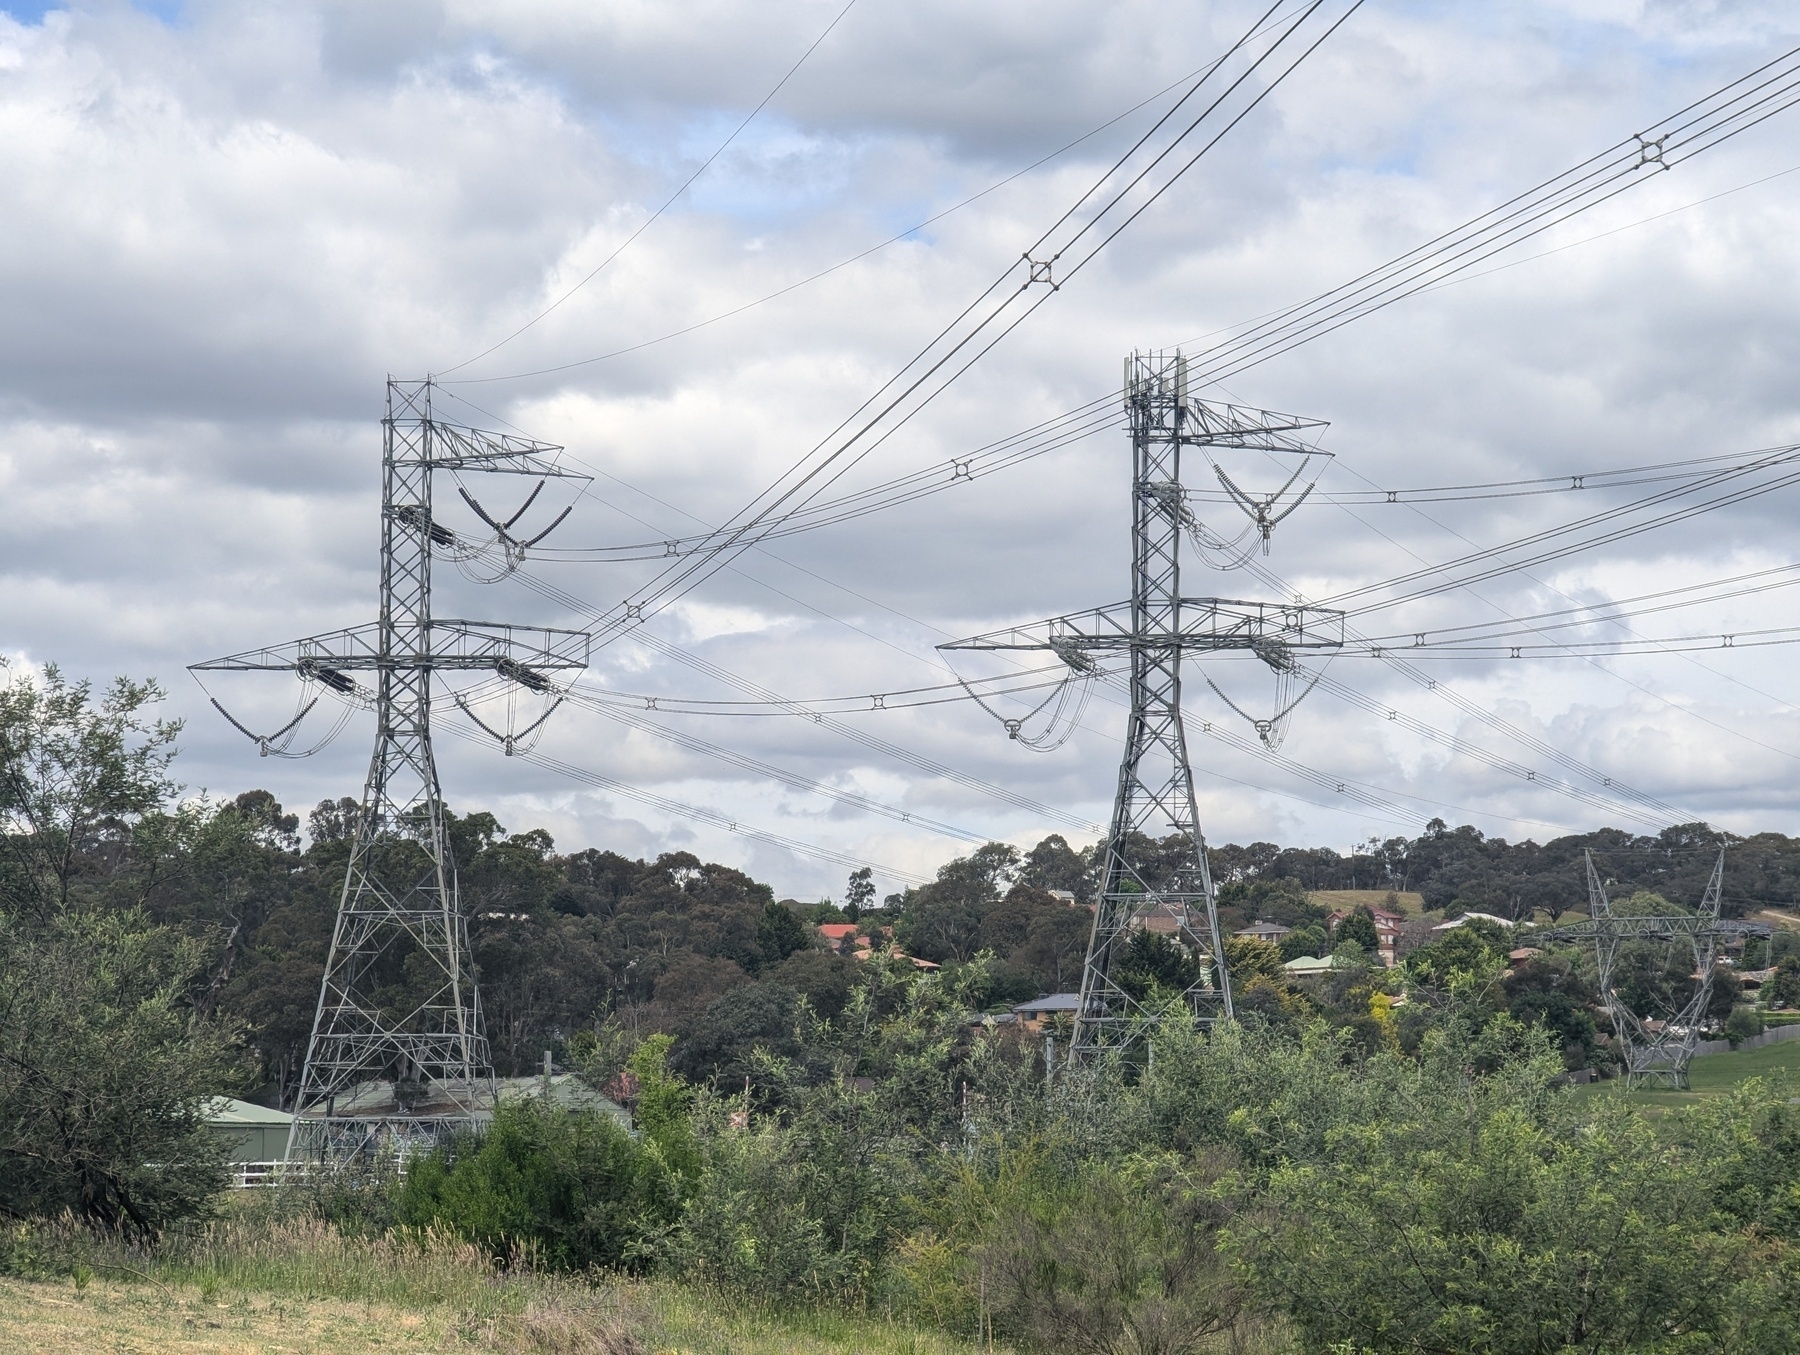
x=136, y=1318
x=1411, y=904
x=106, y=1315
x=257, y=1286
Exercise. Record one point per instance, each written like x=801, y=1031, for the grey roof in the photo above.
x=1056, y=1002
x=228, y=1110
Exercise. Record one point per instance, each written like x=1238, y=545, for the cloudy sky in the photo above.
x=223, y=225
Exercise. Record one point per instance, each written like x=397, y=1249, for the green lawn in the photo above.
x=1711, y=1074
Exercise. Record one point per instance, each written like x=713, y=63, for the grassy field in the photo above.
x=1410, y=904
x=126, y=1317
x=249, y=1287
x=1712, y=1074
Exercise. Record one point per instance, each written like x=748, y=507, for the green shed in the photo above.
x=253, y=1133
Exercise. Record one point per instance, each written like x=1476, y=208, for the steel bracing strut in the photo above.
x=398, y=1056
x=1656, y=1052
x=1155, y=793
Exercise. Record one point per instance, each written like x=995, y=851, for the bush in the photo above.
x=1128, y=1260
x=1742, y=1024
x=104, y=1073
x=570, y=1188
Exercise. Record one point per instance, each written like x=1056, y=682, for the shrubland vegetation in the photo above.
x=1376, y=1160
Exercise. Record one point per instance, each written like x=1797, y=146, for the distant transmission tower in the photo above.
x=1155, y=795
x=1656, y=1052
x=398, y=1056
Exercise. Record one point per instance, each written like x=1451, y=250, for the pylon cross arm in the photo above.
x=1699, y=926
x=454, y=645
x=453, y=447
x=1205, y=624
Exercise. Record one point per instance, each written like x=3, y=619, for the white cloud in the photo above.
x=224, y=230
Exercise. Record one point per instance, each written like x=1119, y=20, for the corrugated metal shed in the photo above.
x=254, y=1133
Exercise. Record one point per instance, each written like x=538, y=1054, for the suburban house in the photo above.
x=1387, y=931
x=1265, y=931
x=1165, y=919
x=1033, y=1014
x=838, y=935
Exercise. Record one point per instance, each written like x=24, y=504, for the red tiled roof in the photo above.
x=837, y=931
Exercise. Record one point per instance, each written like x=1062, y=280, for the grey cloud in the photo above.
x=224, y=233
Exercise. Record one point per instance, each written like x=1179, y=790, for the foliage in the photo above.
x=1744, y=1023
x=1154, y=964
x=779, y=933
x=1490, y=1226
x=76, y=774
x=1307, y=940
x=1122, y=1259
x=564, y=1187
x=664, y=1106
x=1783, y=988
x=104, y=1071
x=1359, y=927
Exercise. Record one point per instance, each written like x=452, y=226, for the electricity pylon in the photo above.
x=1656, y=1052
x=1155, y=793
x=398, y=1056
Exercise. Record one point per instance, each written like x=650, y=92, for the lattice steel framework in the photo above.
x=398, y=1055
x=1655, y=1052
x=1155, y=792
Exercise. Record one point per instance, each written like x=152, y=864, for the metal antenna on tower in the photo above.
x=1656, y=1052
x=1155, y=795
x=398, y=1055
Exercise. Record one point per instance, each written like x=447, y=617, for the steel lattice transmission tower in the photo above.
x=398, y=1055
x=1152, y=632
x=1656, y=1052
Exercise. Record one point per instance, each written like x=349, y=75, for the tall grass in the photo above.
x=257, y=1250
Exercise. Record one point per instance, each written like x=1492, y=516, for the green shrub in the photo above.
x=1743, y=1023
x=570, y=1188
x=105, y=1073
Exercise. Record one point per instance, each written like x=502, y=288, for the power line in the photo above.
x=972, y=333
x=860, y=255
x=699, y=813
x=1704, y=124
x=670, y=202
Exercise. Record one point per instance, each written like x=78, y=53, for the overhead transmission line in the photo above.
x=842, y=264
x=1612, y=612
x=1137, y=179
x=935, y=696
x=1655, y=695
x=1655, y=472
x=1553, y=543
x=1010, y=684
x=790, y=504
x=1015, y=683
x=1492, y=719
x=700, y=813
x=831, y=722
x=1104, y=415
x=1702, y=125
x=1699, y=127
x=923, y=696
x=651, y=220
x=1580, y=649
x=1347, y=789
